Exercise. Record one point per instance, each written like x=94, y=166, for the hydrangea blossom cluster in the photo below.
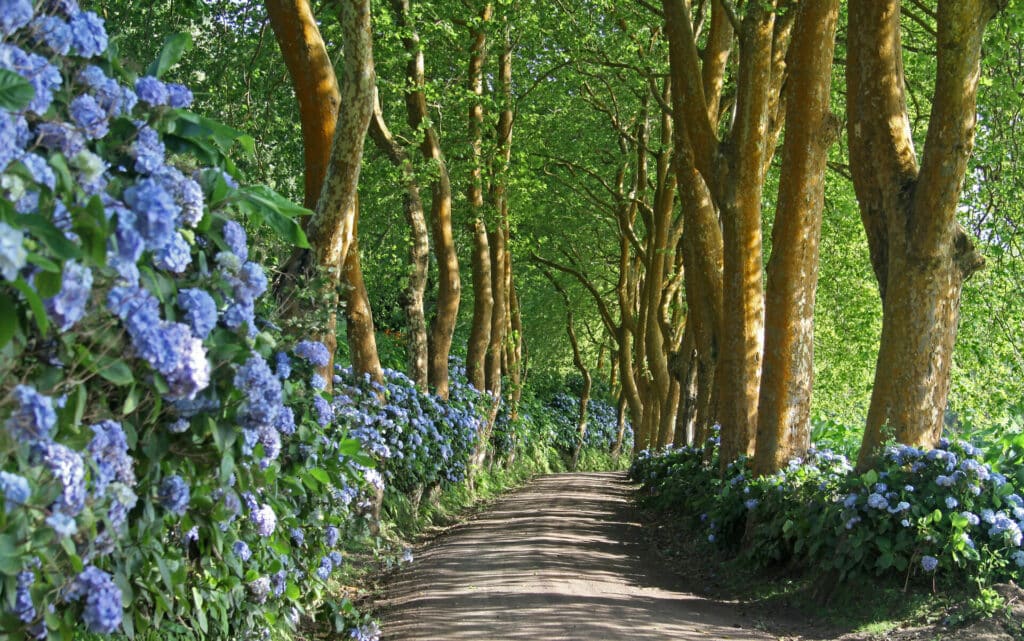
x=939, y=510
x=424, y=440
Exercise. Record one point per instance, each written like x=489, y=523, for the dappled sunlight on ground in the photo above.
x=564, y=558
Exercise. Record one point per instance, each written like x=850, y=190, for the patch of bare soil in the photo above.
x=562, y=558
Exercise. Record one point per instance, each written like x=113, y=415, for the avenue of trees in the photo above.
x=762, y=215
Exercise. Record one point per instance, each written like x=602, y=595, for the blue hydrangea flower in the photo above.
x=877, y=501
x=285, y=421
x=324, y=411
x=63, y=525
x=24, y=609
x=34, y=418
x=40, y=170
x=249, y=283
x=175, y=256
x=67, y=468
x=929, y=563
x=179, y=96
x=331, y=535
x=179, y=426
x=103, y=607
x=313, y=351
x=241, y=550
x=951, y=502
x=155, y=212
x=297, y=536
x=89, y=34
x=109, y=451
x=68, y=306
x=152, y=91
x=90, y=117
x=44, y=77
x=366, y=632
x=751, y=503
x=54, y=32
x=62, y=137
x=262, y=391
x=13, y=255
x=200, y=310
x=148, y=150
x=14, y=14
x=282, y=366
x=174, y=494
x=326, y=566
x=15, y=490
x=235, y=239
x=317, y=382
x=10, y=149
x=241, y=314
x=264, y=519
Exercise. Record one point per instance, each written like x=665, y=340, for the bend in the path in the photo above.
x=563, y=558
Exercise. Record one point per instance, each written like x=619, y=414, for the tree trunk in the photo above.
x=785, y=396
x=483, y=296
x=315, y=84
x=920, y=254
x=413, y=295
x=362, y=339
x=740, y=204
x=449, y=285
x=333, y=188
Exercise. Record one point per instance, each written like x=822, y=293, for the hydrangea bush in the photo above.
x=941, y=512
x=162, y=448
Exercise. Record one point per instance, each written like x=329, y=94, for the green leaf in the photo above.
x=276, y=211
x=10, y=560
x=320, y=475
x=8, y=320
x=35, y=303
x=15, y=91
x=115, y=370
x=175, y=46
x=870, y=477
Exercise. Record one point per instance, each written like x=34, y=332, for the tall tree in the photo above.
x=920, y=254
x=332, y=230
x=442, y=327
x=784, y=409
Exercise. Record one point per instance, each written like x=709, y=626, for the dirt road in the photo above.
x=561, y=559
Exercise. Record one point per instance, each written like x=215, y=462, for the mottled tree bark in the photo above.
x=413, y=295
x=449, y=288
x=788, y=372
x=740, y=207
x=920, y=254
x=483, y=297
x=332, y=229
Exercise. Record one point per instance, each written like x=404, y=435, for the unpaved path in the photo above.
x=561, y=559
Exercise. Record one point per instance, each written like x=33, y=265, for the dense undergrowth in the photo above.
x=942, y=521
x=174, y=466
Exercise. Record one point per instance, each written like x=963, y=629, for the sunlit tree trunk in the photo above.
x=788, y=372
x=483, y=296
x=449, y=284
x=332, y=229
x=920, y=254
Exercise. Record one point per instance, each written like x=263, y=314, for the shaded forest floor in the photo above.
x=570, y=557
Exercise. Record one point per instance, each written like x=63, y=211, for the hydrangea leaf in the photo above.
x=175, y=46
x=115, y=370
x=15, y=91
x=276, y=211
x=10, y=560
x=35, y=304
x=8, y=320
